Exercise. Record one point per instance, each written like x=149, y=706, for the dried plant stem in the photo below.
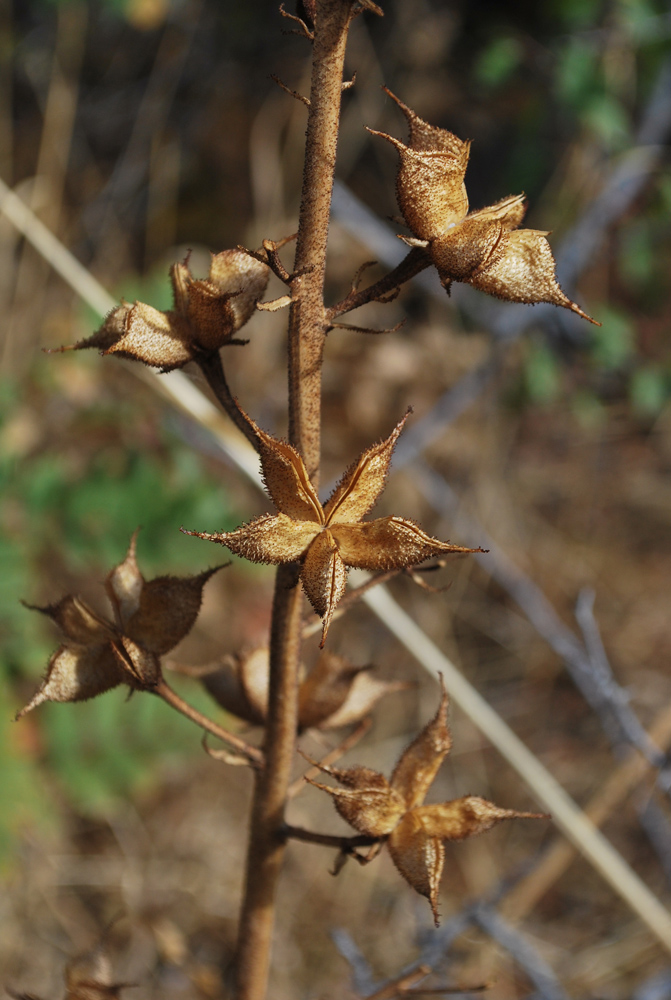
x=253, y=755
x=307, y=320
x=328, y=839
x=213, y=371
x=307, y=332
x=411, y=265
x=266, y=844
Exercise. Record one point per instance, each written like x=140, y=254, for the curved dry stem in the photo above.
x=345, y=844
x=252, y=754
x=213, y=370
x=411, y=265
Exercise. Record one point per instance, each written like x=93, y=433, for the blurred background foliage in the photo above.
x=141, y=129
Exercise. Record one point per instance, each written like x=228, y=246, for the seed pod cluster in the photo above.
x=150, y=618
x=327, y=539
x=415, y=833
x=485, y=248
x=206, y=315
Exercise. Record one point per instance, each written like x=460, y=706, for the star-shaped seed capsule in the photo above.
x=393, y=810
x=150, y=618
x=484, y=248
x=328, y=539
x=207, y=314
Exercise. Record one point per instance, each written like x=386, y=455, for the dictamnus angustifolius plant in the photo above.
x=312, y=544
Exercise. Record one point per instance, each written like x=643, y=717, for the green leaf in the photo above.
x=636, y=252
x=606, y=117
x=613, y=341
x=498, y=62
x=648, y=390
x=576, y=73
x=541, y=373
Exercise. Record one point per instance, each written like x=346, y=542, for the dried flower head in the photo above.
x=207, y=314
x=150, y=618
x=484, y=248
x=328, y=539
x=334, y=694
x=87, y=977
x=394, y=810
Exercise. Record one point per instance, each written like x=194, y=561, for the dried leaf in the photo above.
x=324, y=577
x=359, y=489
x=362, y=698
x=151, y=618
x=141, y=663
x=429, y=187
x=524, y=271
x=466, y=817
x=388, y=543
x=77, y=621
x=155, y=338
x=509, y=211
x=328, y=540
x=267, y=539
x=77, y=673
x=325, y=689
x=167, y=611
x=236, y=273
x=124, y=585
x=223, y=682
x=419, y=763
x=416, y=833
x=419, y=858
x=287, y=479
x=255, y=678
x=466, y=248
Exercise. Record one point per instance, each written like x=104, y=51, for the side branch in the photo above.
x=344, y=844
x=415, y=262
x=168, y=695
x=215, y=377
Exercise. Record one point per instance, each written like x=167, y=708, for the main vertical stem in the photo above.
x=307, y=320
x=307, y=332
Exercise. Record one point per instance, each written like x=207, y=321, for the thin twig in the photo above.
x=213, y=370
x=330, y=758
x=362, y=974
x=164, y=691
x=292, y=93
x=366, y=329
x=411, y=265
x=345, y=844
x=624, y=780
x=618, y=719
x=522, y=950
x=593, y=677
x=401, y=985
